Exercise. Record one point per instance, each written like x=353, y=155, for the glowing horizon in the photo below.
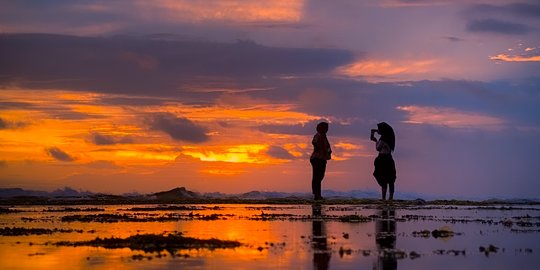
x=225, y=95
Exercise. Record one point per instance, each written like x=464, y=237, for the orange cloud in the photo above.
x=449, y=117
x=259, y=113
x=383, y=70
x=73, y=130
x=234, y=11
x=346, y=150
x=515, y=58
x=348, y=146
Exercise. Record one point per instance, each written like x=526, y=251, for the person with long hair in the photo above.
x=321, y=154
x=385, y=167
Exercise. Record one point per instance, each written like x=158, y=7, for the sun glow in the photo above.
x=250, y=153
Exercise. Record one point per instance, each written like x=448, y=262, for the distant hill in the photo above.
x=176, y=193
x=182, y=193
x=65, y=192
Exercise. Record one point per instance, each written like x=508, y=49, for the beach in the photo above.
x=400, y=235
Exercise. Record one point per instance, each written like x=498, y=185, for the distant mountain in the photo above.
x=180, y=193
x=183, y=193
x=176, y=193
x=18, y=192
x=65, y=192
x=69, y=192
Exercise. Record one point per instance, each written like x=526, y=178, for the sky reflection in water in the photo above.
x=286, y=236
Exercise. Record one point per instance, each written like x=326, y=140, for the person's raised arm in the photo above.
x=373, y=135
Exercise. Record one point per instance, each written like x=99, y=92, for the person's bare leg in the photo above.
x=383, y=190
x=391, y=194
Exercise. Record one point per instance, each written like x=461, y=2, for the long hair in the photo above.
x=387, y=134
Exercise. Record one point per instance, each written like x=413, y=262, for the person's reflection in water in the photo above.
x=321, y=252
x=385, y=229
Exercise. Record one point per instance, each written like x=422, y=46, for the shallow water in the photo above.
x=279, y=236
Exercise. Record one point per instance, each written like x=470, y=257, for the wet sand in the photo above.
x=402, y=235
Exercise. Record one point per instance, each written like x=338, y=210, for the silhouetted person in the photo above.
x=321, y=253
x=385, y=168
x=321, y=153
x=385, y=238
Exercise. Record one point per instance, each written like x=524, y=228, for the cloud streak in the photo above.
x=449, y=117
x=148, y=65
x=225, y=11
x=515, y=58
x=386, y=70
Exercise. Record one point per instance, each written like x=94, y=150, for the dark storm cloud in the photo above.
x=498, y=26
x=525, y=9
x=509, y=19
x=531, y=10
x=5, y=124
x=101, y=139
x=58, y=154
x=123, y=64
x=279, y=152
x=179, y=128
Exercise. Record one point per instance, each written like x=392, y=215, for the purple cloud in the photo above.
x=497, y=26
x=58, y=154
x=101, y=139
x=279, y=152
x=179, y=128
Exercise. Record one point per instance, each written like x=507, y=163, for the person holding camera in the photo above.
x=385, y=167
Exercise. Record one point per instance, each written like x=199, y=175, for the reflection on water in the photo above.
x=275, y=237
x=321, y=252
x=385, y=237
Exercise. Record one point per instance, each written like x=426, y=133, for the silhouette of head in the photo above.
x=387, y=134
x=322, y=127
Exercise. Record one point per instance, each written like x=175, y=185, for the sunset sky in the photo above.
x=223, y=96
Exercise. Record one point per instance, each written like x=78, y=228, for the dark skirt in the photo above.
x=385, y=169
